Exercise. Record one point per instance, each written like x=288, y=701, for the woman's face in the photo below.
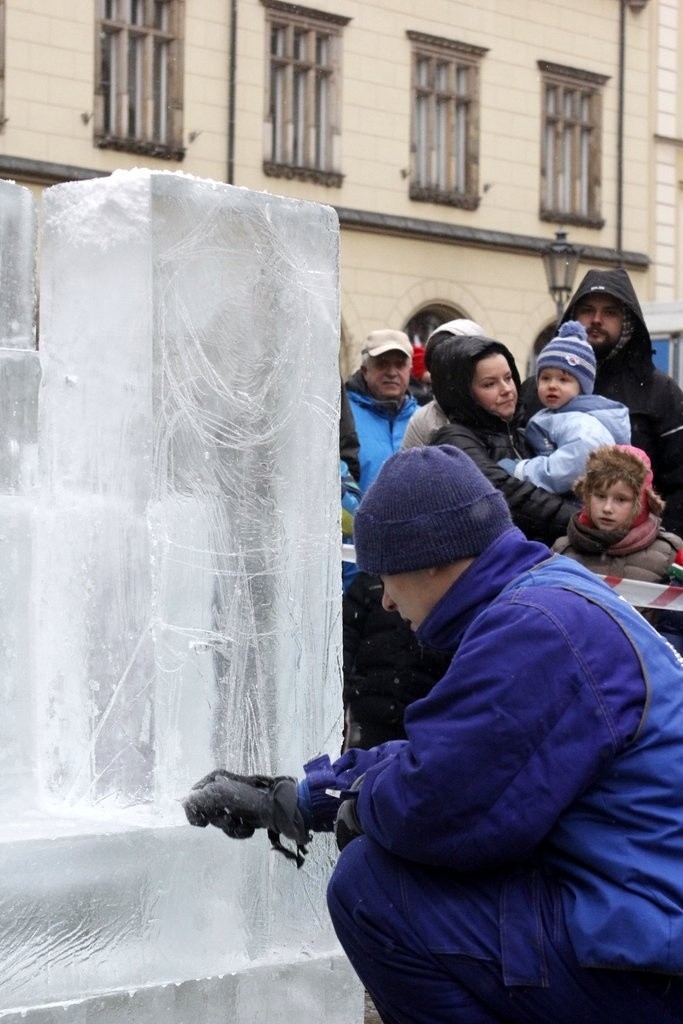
x=493, y=387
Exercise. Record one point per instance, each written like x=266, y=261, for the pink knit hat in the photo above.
x=646, y=485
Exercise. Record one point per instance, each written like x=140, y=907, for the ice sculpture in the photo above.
x=19, y=387
x=17, y=266
x=183, y=605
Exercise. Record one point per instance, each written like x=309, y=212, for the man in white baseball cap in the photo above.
x=385, y=669
x=380, y=399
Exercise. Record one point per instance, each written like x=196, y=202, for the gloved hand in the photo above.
x=346, y=824
x=508, y=465
x=239, y=804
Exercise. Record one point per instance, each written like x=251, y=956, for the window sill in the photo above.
x=332, y=179
x=139, y=146
x=462, y=200
x=575, y=219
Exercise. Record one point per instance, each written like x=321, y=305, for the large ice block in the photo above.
x=189, y=430
x=140, y=908
x=187, y=605
x=17, y=660
x=17, y=266
x=19, y=389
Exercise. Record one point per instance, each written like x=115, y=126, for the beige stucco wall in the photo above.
x=668, y=154
x=376, y=123
x=386, y=278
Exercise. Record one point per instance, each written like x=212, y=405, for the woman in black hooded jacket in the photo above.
x=488, y=436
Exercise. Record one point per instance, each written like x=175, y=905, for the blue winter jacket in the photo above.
x=380, y=431
x=555, y=740
x=563, y=438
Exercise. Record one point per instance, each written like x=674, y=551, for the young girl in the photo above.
x=618, y=531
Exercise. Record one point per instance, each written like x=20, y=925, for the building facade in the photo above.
x=453, y=138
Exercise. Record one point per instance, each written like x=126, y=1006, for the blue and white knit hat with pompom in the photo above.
x=571, y=352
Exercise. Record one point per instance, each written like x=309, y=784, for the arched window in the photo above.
x=421, y=325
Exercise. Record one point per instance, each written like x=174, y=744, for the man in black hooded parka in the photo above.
x=605, y=303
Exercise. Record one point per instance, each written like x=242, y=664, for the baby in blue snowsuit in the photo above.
x=574, y=421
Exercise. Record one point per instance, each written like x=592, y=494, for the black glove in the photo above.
x=239, y=804
x=346, y=824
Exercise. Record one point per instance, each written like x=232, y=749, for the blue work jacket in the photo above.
x=554, y=742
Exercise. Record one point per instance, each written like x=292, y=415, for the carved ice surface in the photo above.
x=17, y=266
x=181, y=548
x=19, y=387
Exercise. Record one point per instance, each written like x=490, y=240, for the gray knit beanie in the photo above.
x=570, y=352
x=427, y=507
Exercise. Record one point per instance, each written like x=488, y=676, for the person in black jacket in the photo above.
x=606, y=304
x=385, y=667
x=476, y=383
x=349, y=445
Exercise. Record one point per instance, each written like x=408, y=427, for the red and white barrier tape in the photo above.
x=648, y=595
x=642, y=595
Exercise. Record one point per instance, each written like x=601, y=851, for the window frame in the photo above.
x=571, y=139
x=445, y=121
x=302, y=115
x=137, y=109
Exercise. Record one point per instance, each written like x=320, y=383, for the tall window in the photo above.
x=303, y=104
x=445, y=122
x=570, y=145
x=138, y=104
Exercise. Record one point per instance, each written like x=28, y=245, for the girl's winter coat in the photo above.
x=645, y=553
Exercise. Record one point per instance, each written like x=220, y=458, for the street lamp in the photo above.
x=560, y=260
